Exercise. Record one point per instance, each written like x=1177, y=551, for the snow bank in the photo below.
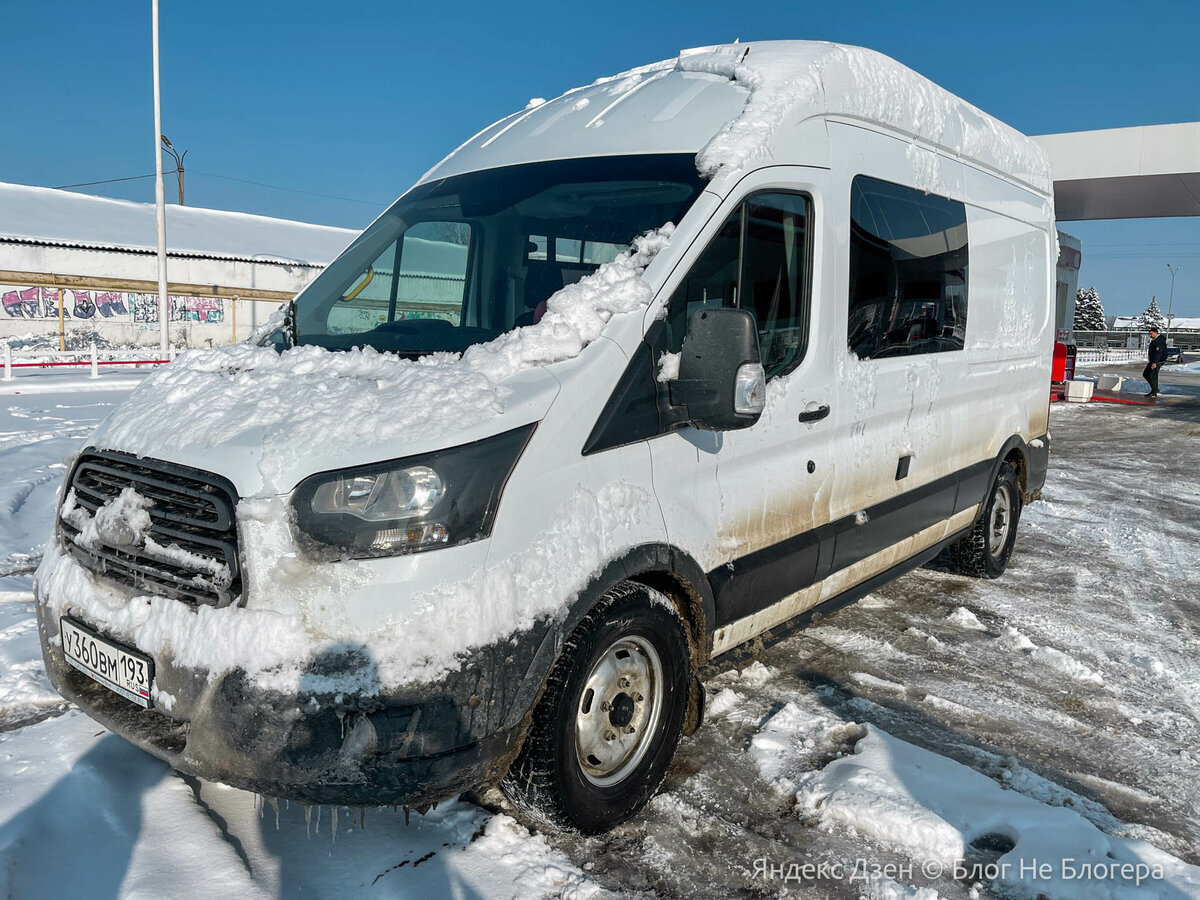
x=286, y=401
x=933, y=809
x=785, y=742
x=23, y=682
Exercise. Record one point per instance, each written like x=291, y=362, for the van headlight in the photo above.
x=434, y=500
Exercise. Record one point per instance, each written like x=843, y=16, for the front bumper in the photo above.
x=433, y=740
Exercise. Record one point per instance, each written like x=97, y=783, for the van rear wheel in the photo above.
x=606, y=728
x=984, y=551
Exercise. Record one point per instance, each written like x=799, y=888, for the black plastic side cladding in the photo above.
x=634, y=411
x=1037, y=457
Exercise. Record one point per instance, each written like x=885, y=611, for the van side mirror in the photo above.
x=721, y=379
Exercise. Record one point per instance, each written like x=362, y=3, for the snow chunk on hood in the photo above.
x=305, y=395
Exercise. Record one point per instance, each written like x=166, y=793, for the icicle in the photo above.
x=307, y=821
x=362, y=818
x=406, y=815
x=317, y=830
x=274, y=801
x=334, y=823
x=258, y=804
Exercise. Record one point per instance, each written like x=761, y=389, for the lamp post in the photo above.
x=178, y=157
x=1171, y=301
x=164, y=308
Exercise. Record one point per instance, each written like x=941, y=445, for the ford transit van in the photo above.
x=631, y=381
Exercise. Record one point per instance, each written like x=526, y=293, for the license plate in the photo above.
x=118, y=668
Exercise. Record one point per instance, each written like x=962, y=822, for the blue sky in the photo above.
x=346, y=104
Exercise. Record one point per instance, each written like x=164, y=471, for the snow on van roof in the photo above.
x=727, y=102
x=64, y=218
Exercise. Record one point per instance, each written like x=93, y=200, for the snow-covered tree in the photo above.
x=1089, y=312
x=1153, y=316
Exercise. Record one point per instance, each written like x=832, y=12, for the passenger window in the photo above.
x=421, y=275
x=908, y=271
x=757, y=261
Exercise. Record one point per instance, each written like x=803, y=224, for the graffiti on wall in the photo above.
x=205, y=310
x=142, y=309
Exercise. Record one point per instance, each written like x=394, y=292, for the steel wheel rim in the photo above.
x=1000, y=521
x=618, y=711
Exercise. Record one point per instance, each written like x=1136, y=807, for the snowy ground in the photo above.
x=1053, y=714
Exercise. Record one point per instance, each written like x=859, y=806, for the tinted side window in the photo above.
x=775, y=276
x=908, y=271
x=759, y=261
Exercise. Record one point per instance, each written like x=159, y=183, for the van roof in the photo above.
x=726, y=103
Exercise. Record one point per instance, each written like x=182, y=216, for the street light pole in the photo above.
x=178, y=157
x=1171, y=302
x=164, y=309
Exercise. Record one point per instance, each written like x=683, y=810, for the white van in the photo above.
x=482, y=506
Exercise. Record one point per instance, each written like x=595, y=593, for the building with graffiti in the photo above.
x=79, y=265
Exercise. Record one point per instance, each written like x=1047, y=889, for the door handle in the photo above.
x=815, y=415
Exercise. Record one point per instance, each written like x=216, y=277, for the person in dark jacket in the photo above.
x=1158, y=352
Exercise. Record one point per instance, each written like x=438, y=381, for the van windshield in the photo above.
x=460, y=261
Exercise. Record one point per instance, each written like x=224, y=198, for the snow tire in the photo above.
x=556, y=779
x=984, y=551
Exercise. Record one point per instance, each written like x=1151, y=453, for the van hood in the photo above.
x=266, y=420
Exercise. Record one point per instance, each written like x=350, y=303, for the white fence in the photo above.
x=1088, y=356
x=25, y=362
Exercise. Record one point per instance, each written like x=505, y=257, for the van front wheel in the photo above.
x=984, y=551
x=611, y=716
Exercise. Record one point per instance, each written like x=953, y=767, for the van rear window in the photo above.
x=908, y=271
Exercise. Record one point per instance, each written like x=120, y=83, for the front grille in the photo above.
x=190, y=509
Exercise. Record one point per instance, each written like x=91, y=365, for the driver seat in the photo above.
x=541, y=281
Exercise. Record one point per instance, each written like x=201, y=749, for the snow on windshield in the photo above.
x=209, y=397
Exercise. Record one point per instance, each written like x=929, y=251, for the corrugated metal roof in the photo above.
x=37, y=215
